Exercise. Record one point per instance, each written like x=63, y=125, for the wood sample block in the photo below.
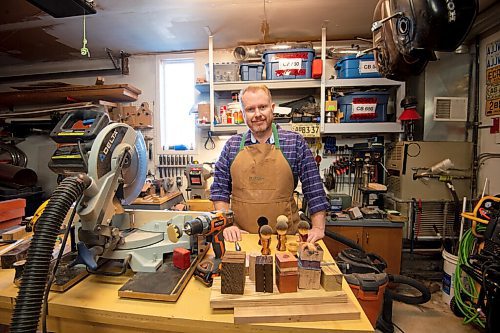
x=233, y=273
x=286, y=260
x=309, y=278
x=182, y=258
x=20, y=252
x=264, y=274
x=312, y=255
x=331, y=278
x=15, y=233
x=251, y=266
x=287, y=272
x=12, y=209
x=287, y=281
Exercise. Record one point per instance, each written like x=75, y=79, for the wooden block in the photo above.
x=331, y=278
x=285, y=260
x=287, y=282
x=182, y=258
x=309, y=278
x=251, y=298
x=20, y=252
x=12, y=209
x=14, y=234
x=309, y=264
x=251, y=266
x=233, y=273
x=264, y=274
x=312, y=255
x=9, y=224
x=294, y=313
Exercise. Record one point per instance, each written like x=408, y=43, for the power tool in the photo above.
x=211, y=226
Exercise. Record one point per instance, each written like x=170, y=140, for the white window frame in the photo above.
x=159, y=114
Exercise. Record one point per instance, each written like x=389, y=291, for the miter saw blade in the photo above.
x=135, y=171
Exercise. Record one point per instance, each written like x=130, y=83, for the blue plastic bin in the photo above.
x=251, y=72
x=363, y=101
x=350, y=67
x=279, y=64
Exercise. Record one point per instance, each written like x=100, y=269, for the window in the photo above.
x=176, y=85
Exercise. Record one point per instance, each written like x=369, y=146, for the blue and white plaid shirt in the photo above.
x=296, y=152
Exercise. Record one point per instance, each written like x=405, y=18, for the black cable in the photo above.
x=209, y=143
x=399, y=328
x=84, y=158
x=56, y=266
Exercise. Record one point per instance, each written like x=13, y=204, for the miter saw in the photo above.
x=113, y=155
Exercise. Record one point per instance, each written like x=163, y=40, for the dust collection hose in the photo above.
x=29, y=299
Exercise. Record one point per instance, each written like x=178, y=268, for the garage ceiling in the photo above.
x=28, y=35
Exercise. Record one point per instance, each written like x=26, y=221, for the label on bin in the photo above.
x=289, y=63
x=307, y=130
x=364, y=108
x=367, y=67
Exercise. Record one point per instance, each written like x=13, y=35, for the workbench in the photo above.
x=93, y=305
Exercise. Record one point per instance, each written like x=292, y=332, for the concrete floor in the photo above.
x=434, y=316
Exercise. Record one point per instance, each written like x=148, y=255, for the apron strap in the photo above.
x=275, y=136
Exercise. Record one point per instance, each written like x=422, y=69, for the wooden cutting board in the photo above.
x=294, y=313
x=250, y=298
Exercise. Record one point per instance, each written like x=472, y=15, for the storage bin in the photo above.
x=251, y=72
x=288, y=64
x=350, y=67
x=223, y=72
x=363, y=107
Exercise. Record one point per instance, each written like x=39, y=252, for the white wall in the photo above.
x=489, y=143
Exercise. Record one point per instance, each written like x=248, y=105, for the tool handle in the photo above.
x=218, y=244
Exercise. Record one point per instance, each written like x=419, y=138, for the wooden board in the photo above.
x=294, y=313
x=166, y=284
x=66, y=277
x=251, y=298
x=14, y=234
x=110, y=93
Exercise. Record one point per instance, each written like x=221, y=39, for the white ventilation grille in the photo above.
x=450, y=108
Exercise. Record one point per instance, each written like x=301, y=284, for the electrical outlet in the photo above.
x=178, y=181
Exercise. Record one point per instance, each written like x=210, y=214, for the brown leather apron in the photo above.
x=262, y=185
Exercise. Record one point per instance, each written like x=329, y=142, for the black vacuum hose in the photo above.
x=29, y=299
x=425, y=294
x=343, y=240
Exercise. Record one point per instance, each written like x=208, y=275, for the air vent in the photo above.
x=450, y=108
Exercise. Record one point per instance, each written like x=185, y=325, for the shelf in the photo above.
x=110, y=93
x=386, y=127
x=271, y=84
x=230, y=128
x=341, y=83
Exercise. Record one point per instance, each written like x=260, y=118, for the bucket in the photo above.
x=449, y=266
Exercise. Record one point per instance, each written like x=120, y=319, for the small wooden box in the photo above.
x=233, y=273
x=144, y=116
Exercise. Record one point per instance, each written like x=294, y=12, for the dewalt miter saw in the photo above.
x=102, y=165
x=113, y=155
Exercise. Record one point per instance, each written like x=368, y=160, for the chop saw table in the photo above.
x=93, y=305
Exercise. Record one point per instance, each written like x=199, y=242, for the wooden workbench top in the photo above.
x=94, y=304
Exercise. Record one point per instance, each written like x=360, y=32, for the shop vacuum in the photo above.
x=365, y=274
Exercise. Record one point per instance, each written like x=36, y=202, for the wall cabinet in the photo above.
x=219, y=91
x=384, y=241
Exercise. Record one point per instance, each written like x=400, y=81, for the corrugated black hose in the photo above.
x=29, y=299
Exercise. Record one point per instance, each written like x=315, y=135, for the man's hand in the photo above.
x=315, y=234
x=233, y=233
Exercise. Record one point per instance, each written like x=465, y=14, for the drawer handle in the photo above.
x=367, y=238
